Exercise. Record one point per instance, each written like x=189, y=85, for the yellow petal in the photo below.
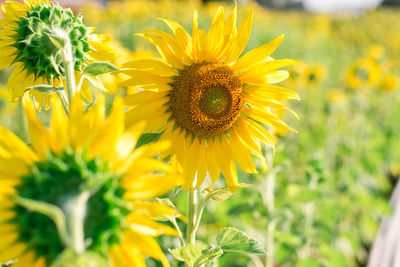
x=38, y=133
x=256, y=73
x=105, y=141
x=148, y=246
x=152, y=66
x=126, y=256
x=12, y=252
x=241, y=154
x=164, y=50
x=243, y=36
x=59, y=127
x=257, y=55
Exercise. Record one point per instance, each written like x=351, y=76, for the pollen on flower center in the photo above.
x=215, y=101
x=206, y=99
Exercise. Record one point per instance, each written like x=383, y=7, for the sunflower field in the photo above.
x=182, y=133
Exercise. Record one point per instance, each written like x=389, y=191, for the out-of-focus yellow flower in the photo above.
x=307, y=75
x=211, y=104
x=336, y=96
x=365, y=73
x=376, y=52
x=77, y=153
x=389, y=82
x=314, y=75
x=25, y=44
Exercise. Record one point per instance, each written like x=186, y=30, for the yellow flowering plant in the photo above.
x=83, y=193
x=79, y=194
x=216, y=108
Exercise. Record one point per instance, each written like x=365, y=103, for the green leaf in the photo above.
x=219, y=194
x=56, y=40
x=196, y=254
x=189, y=253
x=148, y=138
x=98, y=68
x=211, y=254
x=44, y=88
x=234, y=240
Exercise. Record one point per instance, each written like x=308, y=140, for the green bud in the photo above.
x=42, y=34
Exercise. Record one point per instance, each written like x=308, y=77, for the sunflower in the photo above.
x=389, y=82
x=25, y=45
x=74, y=153
x=364, y=73
x=212, y=105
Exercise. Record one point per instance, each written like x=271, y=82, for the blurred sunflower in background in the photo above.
x=212, y=105
x=314, y=75
x=389, y=82
x=25, y=44
x=364, y=73
x=306, y=76
x=82, y=153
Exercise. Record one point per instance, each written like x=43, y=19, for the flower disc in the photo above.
x=206, y=99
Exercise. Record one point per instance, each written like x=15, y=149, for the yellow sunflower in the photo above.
x=212, y=105
x=25, y=45
x=77, y=152
x=364, y=73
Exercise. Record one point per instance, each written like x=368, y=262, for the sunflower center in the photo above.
x=206, y=99
x=35, y=50
x=55, y=181
x=362, y=74
x=215, y=101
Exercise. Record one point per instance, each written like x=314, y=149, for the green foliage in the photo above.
x=234, y=240
x=57, y=179
x=98, y=68
x=194, y=255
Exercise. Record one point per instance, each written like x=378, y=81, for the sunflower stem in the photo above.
x=76, y=211
x=192, y=215
x=64, y=102
x=181, y=240
x=68, y=62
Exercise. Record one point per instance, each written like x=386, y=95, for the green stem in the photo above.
x=192, y=210
x=181, y=240
x=64, y=102
x=68, y=61
x=76, y=210
x=200, y=214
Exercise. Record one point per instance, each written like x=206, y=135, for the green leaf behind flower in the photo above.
x=98, y=68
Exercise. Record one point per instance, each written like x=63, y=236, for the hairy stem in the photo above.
x=69, y=70
x=192, y=215
x=76, y=211
x=181, y=240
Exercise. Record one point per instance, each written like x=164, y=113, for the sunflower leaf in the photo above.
x=233, y=240
x=195, y=255
x=98, y=68
x=219, y=194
